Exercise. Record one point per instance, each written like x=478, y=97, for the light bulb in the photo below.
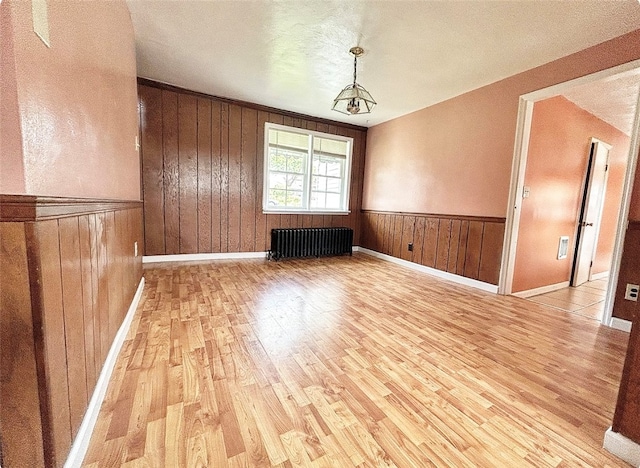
x=354, y=106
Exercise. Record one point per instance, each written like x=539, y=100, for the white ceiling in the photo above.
x=293, y=55
x=612, y=100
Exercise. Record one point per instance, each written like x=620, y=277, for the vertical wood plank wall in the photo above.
x=20, y=423
x=68, y=277
x=202, y=173
x=629, y=273
x=626, y=420
x=465, y=246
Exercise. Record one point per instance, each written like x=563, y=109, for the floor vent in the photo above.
x=563, y=247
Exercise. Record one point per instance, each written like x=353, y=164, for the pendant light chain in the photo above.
x=355, y=69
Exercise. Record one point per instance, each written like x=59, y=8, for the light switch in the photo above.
x=526, y=190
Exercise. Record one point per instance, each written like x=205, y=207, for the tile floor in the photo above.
x=586, y=300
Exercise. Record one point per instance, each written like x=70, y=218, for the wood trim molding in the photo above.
x=622, y=447
x=21, y=208
x=634, y=225
x=295, y=115
x=484, y=219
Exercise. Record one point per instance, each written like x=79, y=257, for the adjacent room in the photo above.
x=337, y=233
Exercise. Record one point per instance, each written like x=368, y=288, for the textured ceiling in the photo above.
x=612, y=100
x=293, y=55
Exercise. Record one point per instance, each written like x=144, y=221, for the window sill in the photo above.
x=304, y=212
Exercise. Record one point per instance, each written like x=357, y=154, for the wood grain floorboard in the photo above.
x=352, y=361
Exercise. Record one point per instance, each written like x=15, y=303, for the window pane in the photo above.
x=319, y=184
x=334, y=168
x=318, y=200
x=316, y=166
x=277, y=198
x=334, y=185
x=296, y=163
x=295, y=182
x=294, y=199
x=277, y=180
x=277, y=160
x=322, y=167
x=333, y=201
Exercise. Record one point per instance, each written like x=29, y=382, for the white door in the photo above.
x=591, y=211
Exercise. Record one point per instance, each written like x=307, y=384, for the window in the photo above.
x=305, y=171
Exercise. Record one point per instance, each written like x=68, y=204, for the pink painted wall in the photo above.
x=11, y=164
x=556, y=166
x=76, y=102
x=455, y=157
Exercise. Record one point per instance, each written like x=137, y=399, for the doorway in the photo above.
x=591, y=212
x=518, y=189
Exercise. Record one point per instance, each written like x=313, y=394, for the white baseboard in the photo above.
x=620, y=324
x=541, y=290
x=431, y=271
x=202, y=256
x=622, y=447
x=81, y=442
x=598, y=276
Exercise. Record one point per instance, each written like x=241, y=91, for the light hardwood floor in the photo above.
x=352, y=361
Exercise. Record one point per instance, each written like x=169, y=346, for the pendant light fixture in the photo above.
x=354, y=99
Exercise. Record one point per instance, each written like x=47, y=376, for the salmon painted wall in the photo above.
x=11, y=164
x=557, y=160
x=76, y=102
x=455, y=157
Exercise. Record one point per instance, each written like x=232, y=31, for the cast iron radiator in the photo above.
x=310, y=242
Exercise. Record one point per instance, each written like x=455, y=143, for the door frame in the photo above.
x=519, y=164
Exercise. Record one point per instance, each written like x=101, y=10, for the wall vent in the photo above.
x=563, y=247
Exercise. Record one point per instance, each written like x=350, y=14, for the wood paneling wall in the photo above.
x=466, y=246
x=626, y=420
x=202, y=173
x=68, y=277
x=629, y=273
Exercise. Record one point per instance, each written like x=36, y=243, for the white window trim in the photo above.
x=265, y=175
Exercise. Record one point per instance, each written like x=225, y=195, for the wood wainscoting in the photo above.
x=629, y=273
x=202, y=167
x=626, y=420
x=68, y=275
x=463, y=245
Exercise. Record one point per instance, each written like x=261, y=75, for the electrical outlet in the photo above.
x=135, y=249
x=631, y=294
x=410, y=246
